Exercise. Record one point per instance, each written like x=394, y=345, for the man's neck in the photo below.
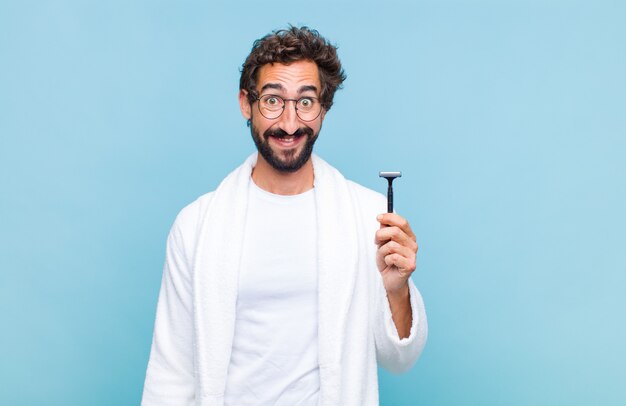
x=283, y=183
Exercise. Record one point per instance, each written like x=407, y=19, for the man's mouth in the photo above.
x=286, y=140
x=282, y=136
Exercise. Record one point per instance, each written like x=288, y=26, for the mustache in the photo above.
x=280, y=133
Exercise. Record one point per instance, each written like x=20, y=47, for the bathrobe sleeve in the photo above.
x=392, y=353
x=170, y=373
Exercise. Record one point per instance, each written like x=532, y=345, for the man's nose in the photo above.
x=289, y=121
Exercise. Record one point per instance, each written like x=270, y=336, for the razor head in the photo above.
x=390, y=175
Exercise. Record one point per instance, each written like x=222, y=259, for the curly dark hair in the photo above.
x=291, y=45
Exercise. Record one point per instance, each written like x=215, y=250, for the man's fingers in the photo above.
x=400, y=262
x=392, y=247
x=395, y=220
x=394, y=254
x=396, y=234
x=396, y=242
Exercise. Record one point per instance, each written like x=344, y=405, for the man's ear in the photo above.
x=244, y=104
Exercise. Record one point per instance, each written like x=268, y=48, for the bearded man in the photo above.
x=287, y=285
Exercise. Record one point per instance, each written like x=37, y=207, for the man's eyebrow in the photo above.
x=276, y=86
x=307, y=88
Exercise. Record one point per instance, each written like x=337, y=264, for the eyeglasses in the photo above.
x=272, y=106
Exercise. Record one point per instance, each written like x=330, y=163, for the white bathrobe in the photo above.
x=195, y=317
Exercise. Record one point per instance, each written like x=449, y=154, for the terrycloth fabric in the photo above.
x=196, y=311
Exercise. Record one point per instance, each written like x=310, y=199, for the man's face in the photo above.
x=286, y=142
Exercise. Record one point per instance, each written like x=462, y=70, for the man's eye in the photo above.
x=272, y=101
x=306, y=102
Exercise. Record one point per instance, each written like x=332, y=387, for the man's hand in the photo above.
x=395, y=259
x=396, y=252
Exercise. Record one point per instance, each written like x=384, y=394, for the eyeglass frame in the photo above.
x=295, y=106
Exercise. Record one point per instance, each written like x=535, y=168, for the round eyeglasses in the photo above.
x=307, y=108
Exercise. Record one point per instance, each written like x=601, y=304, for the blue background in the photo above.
x=506, y=118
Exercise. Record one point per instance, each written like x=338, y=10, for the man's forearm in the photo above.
x=400, y=304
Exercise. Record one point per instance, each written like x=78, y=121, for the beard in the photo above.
x=289, y=160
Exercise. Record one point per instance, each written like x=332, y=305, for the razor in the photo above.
x=390, y=176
